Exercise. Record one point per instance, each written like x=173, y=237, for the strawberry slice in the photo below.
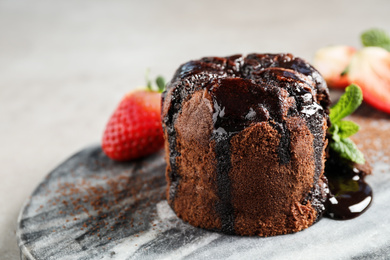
x=370, y=69
x=331, y=62
x=134, y=130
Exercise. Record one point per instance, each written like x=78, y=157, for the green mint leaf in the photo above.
x=347, y=149
x=348, y=103
x=334, y=130
x=347, y=129
x=341, y=130
x=376, y=37
x=160, y=81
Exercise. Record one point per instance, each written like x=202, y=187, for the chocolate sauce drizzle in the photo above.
x=284, y=151
x=349, y=195
x=169, y=126
x=224, y=207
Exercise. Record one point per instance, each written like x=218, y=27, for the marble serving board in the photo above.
x=93, y=208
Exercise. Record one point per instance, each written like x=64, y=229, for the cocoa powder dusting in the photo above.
x=373, y=138
x=105, y=199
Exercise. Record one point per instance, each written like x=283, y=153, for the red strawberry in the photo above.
x=370, y=69
x=134, y=130
x=331, y=62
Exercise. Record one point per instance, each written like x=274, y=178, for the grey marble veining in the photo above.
x=56, y=230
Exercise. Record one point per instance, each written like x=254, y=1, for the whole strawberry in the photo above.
x=134, y=130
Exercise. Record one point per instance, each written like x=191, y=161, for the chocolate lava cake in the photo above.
x=245, y=143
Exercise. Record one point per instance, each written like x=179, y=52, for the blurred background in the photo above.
x=64, y=66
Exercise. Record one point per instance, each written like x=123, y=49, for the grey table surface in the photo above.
x=64, y=65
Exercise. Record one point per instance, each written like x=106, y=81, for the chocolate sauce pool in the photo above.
x=350, y=195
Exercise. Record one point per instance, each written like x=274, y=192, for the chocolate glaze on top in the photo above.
x=239, y=102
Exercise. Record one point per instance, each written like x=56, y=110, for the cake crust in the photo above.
x=245, y=143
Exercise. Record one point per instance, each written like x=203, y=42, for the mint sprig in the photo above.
x=341, y=129
x=160, y=82
x=347, y=149
x=376, y=37
x=347, y=129
x=347, y=104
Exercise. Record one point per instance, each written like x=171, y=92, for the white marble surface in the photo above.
x=65, y=64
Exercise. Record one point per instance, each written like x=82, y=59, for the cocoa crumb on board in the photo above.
x=104, y=201
x=373, y=138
